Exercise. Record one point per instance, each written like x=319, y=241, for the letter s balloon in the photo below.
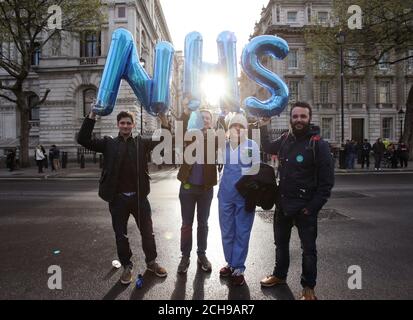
x=250, y=60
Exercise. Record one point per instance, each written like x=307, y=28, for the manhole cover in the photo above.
x=324, y=214
x=347, y=194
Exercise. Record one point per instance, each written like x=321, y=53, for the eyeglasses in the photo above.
x=125, y=122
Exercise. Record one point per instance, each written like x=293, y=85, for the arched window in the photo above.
x=89, y=96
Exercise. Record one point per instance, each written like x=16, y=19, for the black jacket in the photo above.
x=259, y=189
x=110, y=148
x=306, y=170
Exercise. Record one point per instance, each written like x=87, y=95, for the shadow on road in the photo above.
x=110, y=274
x=149, y=281
x=115, y=291
x=199, y=281
x=180, y=287
x=236, y=292
x=281, y=292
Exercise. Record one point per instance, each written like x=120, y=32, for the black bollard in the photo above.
x=82, y=161
x=64, y=160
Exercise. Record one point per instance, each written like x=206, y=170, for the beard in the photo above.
x=301, y=131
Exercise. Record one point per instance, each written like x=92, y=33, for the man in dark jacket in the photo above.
x=365, y=154
x=306, y=175
x=378, y=148
x=124, y=184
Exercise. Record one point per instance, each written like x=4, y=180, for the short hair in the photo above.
x=125, y=114
x=301, y=104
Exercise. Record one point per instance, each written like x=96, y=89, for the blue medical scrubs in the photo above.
x=235, y=221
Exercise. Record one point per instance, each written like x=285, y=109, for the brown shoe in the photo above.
x=238, y=280
x=308, y=294
x=225, y=271
x=126, y=276
x=271, y=281
x=157, y=269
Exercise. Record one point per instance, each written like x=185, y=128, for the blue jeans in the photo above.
x=351, y=160
x=189, y=198
x=307, y=231
x=121, y=207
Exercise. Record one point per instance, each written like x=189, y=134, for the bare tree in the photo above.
x=25, y=27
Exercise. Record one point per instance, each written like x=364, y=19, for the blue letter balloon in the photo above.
x=251, y=55
x=123, y=63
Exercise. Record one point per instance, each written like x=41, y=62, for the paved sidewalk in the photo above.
x=92, y=171
x=73, y=171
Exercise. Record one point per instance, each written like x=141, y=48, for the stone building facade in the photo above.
x=71, y=65
x=372, y=97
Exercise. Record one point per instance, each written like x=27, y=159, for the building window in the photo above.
x=383, y=62
x=121, y=11
x=327, y=128
x=34, y=111
x=322, y=17
x=410, y=60
x=90, y=45
x=89, y=96
x=352, y=57
x=292, y=16
x=323, y=91
x=293, y=59
x=355, y=91
x=384, y=91
x=278, y=13
x=309, y=14
x=387, y=128
x=293, y=88
x=323, y=62
x=35, y=58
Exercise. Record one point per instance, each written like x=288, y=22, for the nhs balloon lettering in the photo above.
x=123, y=63
x=250, y=60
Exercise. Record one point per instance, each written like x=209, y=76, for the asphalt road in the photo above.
x=368, y=223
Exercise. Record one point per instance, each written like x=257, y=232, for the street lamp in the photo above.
x=142, y=63
x=340, y=40
x=401, y=116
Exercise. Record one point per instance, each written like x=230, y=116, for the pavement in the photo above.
x=92, y=171
x=73, y=171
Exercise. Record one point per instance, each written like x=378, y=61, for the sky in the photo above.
x=210, y=18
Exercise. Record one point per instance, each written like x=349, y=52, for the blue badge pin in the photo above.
x=299, y=158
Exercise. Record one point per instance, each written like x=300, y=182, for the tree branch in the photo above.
x=7, y=98
x=43, y=99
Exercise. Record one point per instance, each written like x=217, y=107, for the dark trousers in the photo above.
x=40, y=165
x=120, y=209
x=189, y=198
x=365, y=159
x=307, y=231
x=403, y=161
x=377, y=160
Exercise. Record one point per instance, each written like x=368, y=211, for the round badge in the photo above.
x=299, y=158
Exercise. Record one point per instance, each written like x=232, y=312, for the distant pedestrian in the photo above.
x=56, y=158
x=378, y=149
x=10, y=160
x=51, y=153
x=352, y=154
x=365, y=154
x=403, y=152
x=39, y=157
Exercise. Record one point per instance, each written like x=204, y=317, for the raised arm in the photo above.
x=84, y=137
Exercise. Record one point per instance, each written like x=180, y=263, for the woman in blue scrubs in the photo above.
x=241, y=157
